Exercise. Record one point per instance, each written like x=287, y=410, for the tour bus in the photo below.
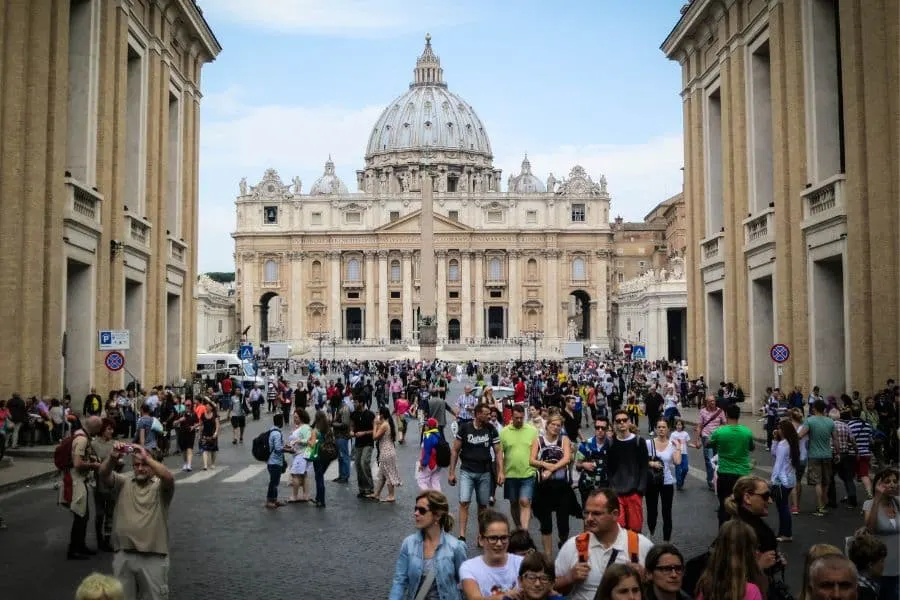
x=222, y=364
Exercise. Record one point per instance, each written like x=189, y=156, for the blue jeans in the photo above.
x=343, y=445
x=708, y=453
x=274, y=478
x=782, y=497
x=681, y=471
x=320, y=466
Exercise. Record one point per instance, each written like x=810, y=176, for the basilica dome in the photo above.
x=328, y=183
x=526, y=182
x=428, y=115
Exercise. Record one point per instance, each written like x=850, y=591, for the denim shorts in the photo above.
x=518, y=488
x=479, y=483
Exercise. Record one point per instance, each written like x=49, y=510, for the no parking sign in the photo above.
x=114, y=361
x=780, y=353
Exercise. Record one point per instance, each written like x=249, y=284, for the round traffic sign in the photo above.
x=780, y=353
x=627, y=349
x=114, y=361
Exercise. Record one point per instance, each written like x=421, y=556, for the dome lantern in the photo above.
x=428, y=69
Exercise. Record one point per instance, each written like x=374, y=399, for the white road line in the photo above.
x=202, y=475
x=245, y=474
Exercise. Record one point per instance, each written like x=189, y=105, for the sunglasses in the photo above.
x=673, y=569
x=421, y=510
x=765, y=495
x=622, y=420
x=494, y=539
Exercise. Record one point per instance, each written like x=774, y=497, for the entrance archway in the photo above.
x=579, y=314
x=264, y=320
x=353, y=325
x=453, y=330
x=396, y=330
x=496, y=319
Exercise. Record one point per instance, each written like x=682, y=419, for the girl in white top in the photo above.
x=684, y=438
x=664, y=454
x=496, y=571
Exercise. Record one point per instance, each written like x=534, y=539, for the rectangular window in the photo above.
x=454, y=295
x=220, y=326
x=620, y=277
x=531, y=217
x=641, y=264
x=83, y=59
x=578, y=212
x=453, y=215
x=270, y=215
x=173, y=167
x=395, y=295
x=136, y=88
x=316, y=218
x=496, y=293
x=354, y=218
x=395, y=214
x=714, y=209
x=353, y=295
x=824, y=100
x=495, y=216
x=761, y=128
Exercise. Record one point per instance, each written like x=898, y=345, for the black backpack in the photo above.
x=442, y=452
x=260, y=448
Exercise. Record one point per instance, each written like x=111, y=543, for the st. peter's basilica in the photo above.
x=533, y=258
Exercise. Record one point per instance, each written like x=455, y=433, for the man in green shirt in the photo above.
x=732, y=443
x=516, y=440
x=819, y=428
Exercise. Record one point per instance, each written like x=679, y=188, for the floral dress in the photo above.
x=387, y=459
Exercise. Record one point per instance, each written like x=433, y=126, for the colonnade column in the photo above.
x=441, y=257
x=297, y=310
x=406, y=275
x=369, y=333
x=601, y=332
x=551, y=314
x=515, y=304
x=465, y=270
x=334, y=307
x=479, y=294
x=383, y=326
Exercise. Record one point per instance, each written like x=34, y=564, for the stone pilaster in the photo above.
x=384, y=331
x=407, y=277
x=515, y=303
x=337, y=313
x=369, y=333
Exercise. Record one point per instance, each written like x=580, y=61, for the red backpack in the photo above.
x=62, y=455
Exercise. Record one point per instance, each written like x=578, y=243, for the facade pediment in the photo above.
x=411, y=223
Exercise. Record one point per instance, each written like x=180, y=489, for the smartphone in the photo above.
x=127, y=449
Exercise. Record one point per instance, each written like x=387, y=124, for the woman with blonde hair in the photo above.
x=749, y=503
x=550, y=455
x=732, y=572
x=429, y=560
x=100, y=587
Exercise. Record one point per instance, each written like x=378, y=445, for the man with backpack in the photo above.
x=269, y=447
x=78, y=462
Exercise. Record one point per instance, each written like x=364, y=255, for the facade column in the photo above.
x=515, y=303
x=383, y=324
x=406, y=274
x=465, y=271
x=249, y=278
x=479, y=295
x=369, y=333
x=441, y=257
x=337, y=313
x=297, y=308
x=600, y=332
x=551, y=317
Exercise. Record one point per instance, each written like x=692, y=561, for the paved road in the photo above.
x=225, y=544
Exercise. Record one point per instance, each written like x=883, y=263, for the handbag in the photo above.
x=778, y=589
x=655, y=476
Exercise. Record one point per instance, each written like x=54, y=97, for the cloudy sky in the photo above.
x=570, y=82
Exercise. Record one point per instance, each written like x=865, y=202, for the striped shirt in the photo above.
x=862, y=433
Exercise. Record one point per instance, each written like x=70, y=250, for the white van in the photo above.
x=230, y=364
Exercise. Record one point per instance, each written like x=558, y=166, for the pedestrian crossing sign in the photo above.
x=639, y=351
x=246, y=352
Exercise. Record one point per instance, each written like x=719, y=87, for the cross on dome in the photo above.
x=428, y=67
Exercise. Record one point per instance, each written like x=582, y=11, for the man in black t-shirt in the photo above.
x=472, y=448
x=362, y=426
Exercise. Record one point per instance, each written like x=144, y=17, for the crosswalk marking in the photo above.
x=245, y=474
x=202, y=475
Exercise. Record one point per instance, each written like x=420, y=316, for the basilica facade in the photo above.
x=345, y=264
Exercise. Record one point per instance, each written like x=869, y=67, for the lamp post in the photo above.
x=333, y=346
x=534, y=335
x=320, y=336
x=519, y=341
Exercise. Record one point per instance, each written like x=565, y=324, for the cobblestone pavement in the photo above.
x=224, y=544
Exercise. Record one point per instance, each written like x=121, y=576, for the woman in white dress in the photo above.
x=302, y=441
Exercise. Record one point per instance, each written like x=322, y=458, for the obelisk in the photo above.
x=427, y=306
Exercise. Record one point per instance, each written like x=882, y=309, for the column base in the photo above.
x=427, y=342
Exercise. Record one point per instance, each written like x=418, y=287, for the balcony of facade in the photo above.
x=824, y=206
x=495, y=283
x=712, y=251
x=356, y=284
x=273, y=284
x=82, y=208
x=137, y=233
x=759, y=231
x=177, y=252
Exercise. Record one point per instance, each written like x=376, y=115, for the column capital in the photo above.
x=248, y=255
x=297, y=256
x=478, y=253
x=406, y=254
x=514, y=253
x=440, y=253
x=368, y=253
x=382, y=254
x=334, y=254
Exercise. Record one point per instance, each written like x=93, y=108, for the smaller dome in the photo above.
x=328, y=183
x=525, y=182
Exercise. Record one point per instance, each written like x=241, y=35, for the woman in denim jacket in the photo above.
x=431, y=548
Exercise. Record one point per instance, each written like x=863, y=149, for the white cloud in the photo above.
x=348, y=18
x=240, y=140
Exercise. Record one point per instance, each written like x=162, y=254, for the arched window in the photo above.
x=270, y=271
x=578, y=273
x=532, y=270
x=453, y=270
x=395, y=271
x=317, y=271
x=495, y=269
x=353, y=273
